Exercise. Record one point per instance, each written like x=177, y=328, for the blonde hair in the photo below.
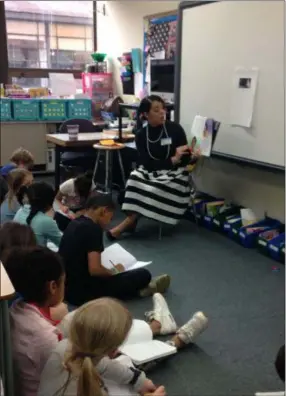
x=97, y=329
x=22, y=156
x=15, y=180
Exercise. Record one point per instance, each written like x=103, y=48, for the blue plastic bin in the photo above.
x=26, y=109
x=79, y=108
x=275, y=247
x=249, y=240
x=53, y=109
x=6, y=109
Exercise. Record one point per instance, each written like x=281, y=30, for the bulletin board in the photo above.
x=159, y=35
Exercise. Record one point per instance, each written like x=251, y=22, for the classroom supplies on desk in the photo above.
x=141, y=347
x=117, y=255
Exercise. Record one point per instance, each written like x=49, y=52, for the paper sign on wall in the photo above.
x=243, y=96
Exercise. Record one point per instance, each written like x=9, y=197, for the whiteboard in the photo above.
x=214, y=39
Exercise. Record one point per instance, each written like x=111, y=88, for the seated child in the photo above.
x=38, y=275
x=88, y=356
x=38, y=213
x=21, y=158
x=16, y=179
x=73, y=193
x=81, y=247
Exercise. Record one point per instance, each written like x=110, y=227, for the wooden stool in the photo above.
x=108, y=152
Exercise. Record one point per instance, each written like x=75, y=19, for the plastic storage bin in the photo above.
x=6, y=109
x=26, y=109
x=79, y=108
x=276, y=246
x=266, y=237
x=248, y=239
x=95, y=84
x=53, y=109
x=222, y=219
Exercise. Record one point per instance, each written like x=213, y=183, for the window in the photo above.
x=49, y=34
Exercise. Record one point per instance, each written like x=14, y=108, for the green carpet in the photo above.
x=240, y=294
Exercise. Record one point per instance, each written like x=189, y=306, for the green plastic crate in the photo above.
x=79, y=108
x=6, y=109
x=53, y=109
x=26, y=109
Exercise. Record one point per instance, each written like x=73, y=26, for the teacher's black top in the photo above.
x=155, y=159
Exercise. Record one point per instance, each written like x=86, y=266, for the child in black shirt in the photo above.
x=81, y=247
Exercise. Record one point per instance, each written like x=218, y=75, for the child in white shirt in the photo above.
x=74, y=192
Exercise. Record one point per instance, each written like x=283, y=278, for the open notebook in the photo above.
x=140, y=346
x=117, y=255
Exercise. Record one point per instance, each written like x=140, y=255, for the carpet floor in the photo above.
x=237, y=289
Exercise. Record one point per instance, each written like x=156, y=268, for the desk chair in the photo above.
x=79, y=160
x=107, y=152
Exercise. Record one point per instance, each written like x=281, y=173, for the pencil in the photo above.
x=113, y=265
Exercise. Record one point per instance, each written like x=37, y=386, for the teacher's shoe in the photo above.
x=193, y=328
x=162, y=314
x=159, y=284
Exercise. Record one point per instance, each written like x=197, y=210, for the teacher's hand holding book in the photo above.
x=120, y=267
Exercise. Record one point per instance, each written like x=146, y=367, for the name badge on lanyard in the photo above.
x=166, y=142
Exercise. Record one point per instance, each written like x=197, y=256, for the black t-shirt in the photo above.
x=81, y=237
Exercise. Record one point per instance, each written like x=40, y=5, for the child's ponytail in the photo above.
x=89, y=381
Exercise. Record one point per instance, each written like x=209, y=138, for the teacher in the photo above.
x=159, y=189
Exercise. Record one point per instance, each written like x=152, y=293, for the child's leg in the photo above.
x=161, y=321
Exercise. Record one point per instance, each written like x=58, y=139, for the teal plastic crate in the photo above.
x=6, y=109
x=79, y=108
x=26, y=109
x=53, y=109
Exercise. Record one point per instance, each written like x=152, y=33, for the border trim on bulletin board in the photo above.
x=156, y=19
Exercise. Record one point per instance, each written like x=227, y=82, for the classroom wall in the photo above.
x=122, y=28
x=262, y=191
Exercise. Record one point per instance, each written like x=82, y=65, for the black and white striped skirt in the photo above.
x=162, y=195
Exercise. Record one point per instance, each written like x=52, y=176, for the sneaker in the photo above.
x=161, y=313
x=158, y=284
x=195, y=326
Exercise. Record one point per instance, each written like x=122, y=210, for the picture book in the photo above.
x=141, y=347
x=116, y=254
x=200, y=137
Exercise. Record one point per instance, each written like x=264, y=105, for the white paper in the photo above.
x=247, y=217
x=243, y=96
x=115, y=254
x=270, y=394
x=201, y=135
x=159, y=55
x=62, y=84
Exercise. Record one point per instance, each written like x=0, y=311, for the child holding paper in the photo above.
x=86, y=278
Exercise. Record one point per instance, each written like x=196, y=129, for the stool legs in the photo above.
x=96, y=166
x=108, y=172
x=121, y=168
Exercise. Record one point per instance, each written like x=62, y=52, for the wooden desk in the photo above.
x=85, y=140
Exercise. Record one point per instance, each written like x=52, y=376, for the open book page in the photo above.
x=116, y=254
x=200, y=136
x=140, y=346
x=139, y=332
x=148, y=351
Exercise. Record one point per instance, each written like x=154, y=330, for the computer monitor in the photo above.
x=163, y=78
